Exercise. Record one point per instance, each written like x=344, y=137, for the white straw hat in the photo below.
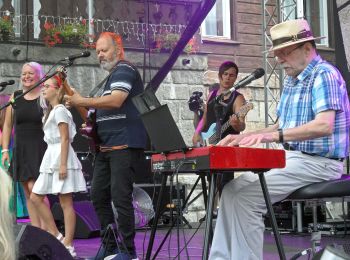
x=291, y=32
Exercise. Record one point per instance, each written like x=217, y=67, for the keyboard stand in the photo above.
x=158, y=211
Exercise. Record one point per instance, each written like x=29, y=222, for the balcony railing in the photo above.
x=125, y=17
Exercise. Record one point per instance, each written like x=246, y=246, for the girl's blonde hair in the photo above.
x=7, y=242
x=47, y=106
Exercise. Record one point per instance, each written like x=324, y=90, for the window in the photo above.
x=218, y=22
x=317, y=14
x=315, y=11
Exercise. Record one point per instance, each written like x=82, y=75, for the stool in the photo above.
x=316, y=192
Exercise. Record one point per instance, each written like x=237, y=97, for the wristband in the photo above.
x=280, y=136
x=4, y=151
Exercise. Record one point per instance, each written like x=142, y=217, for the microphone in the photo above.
x=5, y=83
x=76, y=56
x=258, y=73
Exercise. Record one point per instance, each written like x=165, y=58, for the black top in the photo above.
x=29, y=138
x=228, y=111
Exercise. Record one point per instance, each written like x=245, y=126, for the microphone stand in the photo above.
x=219, y=107
x=13, y=103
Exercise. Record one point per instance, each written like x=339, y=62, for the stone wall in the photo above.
x=175, y=90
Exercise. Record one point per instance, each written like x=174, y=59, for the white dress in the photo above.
x=48, y=181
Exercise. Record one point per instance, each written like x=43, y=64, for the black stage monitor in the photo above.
x=162, y=130
x=146, y=101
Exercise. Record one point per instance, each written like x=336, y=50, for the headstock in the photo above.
x=62, y=72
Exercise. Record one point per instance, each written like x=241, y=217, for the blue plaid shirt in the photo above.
x=319, y=87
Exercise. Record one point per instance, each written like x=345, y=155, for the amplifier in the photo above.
x=284, y=216
x=331, y=228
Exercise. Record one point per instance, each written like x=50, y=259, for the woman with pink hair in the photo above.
x=29, y=145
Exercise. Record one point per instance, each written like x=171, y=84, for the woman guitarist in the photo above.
x=228, y=72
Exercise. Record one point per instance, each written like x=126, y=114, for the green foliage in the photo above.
x=75, y=33
x=6, y=29
x=166, y=42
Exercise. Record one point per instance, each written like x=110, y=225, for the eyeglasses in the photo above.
x=284, y=53
x=46, y=86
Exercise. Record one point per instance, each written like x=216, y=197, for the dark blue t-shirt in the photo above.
x=122, y=126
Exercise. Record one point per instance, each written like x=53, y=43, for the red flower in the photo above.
x=48, y=26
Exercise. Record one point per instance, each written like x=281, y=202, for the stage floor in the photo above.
x=293, y=243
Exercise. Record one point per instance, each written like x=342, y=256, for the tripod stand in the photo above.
x=110, y=237
x=185, y=204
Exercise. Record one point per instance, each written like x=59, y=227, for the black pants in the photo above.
x=113, y=178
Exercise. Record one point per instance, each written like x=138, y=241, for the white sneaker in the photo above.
x=71, y=250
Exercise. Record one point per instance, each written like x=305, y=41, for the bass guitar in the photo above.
x=210, y=137
x=89, y=130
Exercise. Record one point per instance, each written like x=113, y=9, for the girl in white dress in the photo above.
x=60, y=170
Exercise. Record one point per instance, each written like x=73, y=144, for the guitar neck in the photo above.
x=81, y=110
x=241, y=113
x=224, y=127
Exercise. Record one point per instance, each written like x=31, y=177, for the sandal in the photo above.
x=71, y=250
x=60, y=237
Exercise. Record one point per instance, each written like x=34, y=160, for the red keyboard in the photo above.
x=219, y=158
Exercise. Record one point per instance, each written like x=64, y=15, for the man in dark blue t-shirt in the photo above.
x=122, y=139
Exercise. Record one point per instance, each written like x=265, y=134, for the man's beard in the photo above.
x=108, y=65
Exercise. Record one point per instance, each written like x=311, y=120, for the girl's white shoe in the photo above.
x=60, y=237
x=71, y=250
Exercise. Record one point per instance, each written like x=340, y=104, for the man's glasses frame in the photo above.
x=283, y=54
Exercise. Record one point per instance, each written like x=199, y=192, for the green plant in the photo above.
x=68, y=32
x=73, y=31
x=166, y=42
x=6, y=28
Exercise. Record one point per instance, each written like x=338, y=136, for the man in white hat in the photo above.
x=313, y=126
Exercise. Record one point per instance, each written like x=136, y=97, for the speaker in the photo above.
x=86, y=160
x=35, y=243
x=284, y=216
x=143, y=169
x=87, y=224
x=80, y=143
